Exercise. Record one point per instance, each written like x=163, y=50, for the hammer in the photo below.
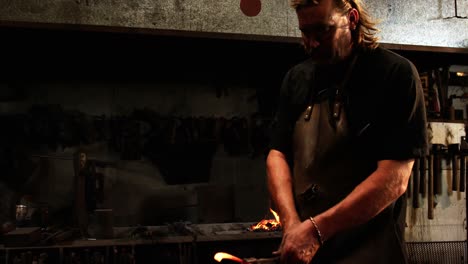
x=438, y=150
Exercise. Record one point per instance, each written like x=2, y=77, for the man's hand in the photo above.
x=299, y=243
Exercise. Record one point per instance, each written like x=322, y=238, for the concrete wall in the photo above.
x=419, y=22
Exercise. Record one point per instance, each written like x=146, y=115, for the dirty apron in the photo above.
x=327, y=167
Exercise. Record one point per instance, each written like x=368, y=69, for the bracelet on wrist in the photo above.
x=317, y=230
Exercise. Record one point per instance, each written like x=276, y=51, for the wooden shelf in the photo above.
x=206, y=35
x=407, y=47
x=447, y=121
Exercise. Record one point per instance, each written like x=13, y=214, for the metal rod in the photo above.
x=53, y=157
x=67, y=157
x=456, y=11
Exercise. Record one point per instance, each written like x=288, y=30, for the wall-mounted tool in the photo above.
x=453, y=152
x=89, y=190
x=430, y=187
x=438, y=151
x=81, y=215
x=463, y=166
x=422, y=177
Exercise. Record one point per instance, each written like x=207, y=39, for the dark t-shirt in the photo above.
x=383, y=99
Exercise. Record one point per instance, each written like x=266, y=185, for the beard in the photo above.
x=330, y=51
x=322, y=56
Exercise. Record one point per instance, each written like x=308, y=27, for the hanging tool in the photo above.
x=430, y=187
x=422, y=177
x=80, y=162
x=463, y=168
x=453, y=152
x=438, y=151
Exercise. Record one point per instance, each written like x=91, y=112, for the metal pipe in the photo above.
x=66, y=157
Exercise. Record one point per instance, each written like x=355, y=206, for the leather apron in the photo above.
x=326, y=170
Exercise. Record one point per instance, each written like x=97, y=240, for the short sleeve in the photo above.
x=401, y=128
x=282, y=125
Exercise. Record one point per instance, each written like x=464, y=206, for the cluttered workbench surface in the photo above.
x=178, y=232
x=178, y=242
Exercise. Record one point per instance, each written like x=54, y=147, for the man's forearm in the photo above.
x=368, y=199
x=280, y=187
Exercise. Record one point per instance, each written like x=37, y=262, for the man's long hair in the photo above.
x=364, y=36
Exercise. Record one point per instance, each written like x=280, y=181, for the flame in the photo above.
x=268, y=224
x=275, y=215
x=221, y=255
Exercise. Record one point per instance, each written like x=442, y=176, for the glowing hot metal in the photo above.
x=221, y=255
x=268, y=224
